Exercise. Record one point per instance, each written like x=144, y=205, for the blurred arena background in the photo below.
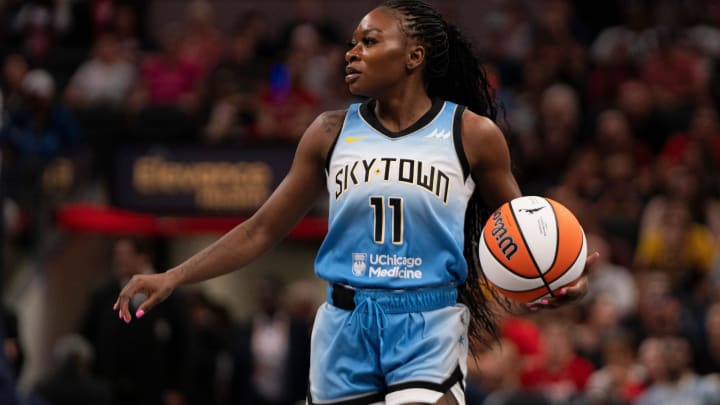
x=166, y=122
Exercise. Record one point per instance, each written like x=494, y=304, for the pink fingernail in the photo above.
x=114, y=307
x=120, y=315
x=544, y=302
x=139, y=313
x=127, y=320
x=563, y=291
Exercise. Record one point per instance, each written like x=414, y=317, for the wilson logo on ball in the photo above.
x=545, y=242
x=505, y=243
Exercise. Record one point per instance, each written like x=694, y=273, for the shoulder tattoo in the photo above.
x=331, y=121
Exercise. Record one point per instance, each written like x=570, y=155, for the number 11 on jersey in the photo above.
x=396, y=207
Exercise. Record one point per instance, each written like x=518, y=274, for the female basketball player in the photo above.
x=411, y=175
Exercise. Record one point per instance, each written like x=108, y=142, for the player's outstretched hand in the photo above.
x=569, y=294
x=157, y=287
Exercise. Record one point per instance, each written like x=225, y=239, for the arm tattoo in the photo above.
x=331, y=121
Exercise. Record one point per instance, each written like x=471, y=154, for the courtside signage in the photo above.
x=197, y=180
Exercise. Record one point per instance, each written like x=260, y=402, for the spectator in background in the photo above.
x=71, y=381
x=13, y=347
x=506, y=38
x=702, y=30
x=35, y=27
x=165, y=100
x=611, y=279
x=32, y=136
x=619, y=205
x=616, y=52
x=676, y=382
x=563, y=374
x=599, y=324
x=526, y=337
x=558, y=44
x=661, y=312
x=272, y=352
x=649, y=355
x=677, y=182
x=15, y=67
x=676, y=77
x=98, y=92
x=628, y=42
x=166, y=79
x=321, y=67
x=127, y=28
x=303, y=297
x=104, y=80
x=91, y=18
x=634, y=99
x=258, y=25
x=614, y=135
x=314, y=13
x=286, y=106
x=625, y=163
x=678, y=246
x=546, y=153
x=101, y=13
x=697, y=147
x=695, y=189
x=707, y=360
x=212, y=358
x=581, y=184
x=494, y=377
x=10, y=357
x=620, y=379
x=231, y=93
x=147, y=362
x=203, y=44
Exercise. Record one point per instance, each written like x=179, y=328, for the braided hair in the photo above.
x=453, y=72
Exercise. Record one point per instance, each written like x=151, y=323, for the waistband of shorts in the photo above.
x=393, y=301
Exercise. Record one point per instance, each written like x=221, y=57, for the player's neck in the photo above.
x=398, y=113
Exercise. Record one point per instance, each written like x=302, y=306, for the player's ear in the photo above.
x=415, y=56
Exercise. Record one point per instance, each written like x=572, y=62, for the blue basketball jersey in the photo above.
x=397, y=202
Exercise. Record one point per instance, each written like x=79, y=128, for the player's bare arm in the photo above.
x=288, y=204
x=489, y=159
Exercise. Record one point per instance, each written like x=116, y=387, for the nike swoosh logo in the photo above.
x=351, y=139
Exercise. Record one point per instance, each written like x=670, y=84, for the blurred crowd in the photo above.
x=187, y=350
x=610, y=108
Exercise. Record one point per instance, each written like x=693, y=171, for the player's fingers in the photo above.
x=536, y=305
x=137, y=284
x=591, y=259
x=575, y=291
x=566, y=294
x=153, y=299
x=123, y=302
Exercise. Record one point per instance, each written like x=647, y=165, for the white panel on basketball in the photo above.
x=536, y=220
x=575, y=270
x=503, y=277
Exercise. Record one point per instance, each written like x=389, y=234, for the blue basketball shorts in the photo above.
x=388, y=346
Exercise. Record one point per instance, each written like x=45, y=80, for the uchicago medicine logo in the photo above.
x=359, y=264
x=386, y=266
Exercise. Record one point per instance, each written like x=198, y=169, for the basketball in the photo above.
x=531, y=247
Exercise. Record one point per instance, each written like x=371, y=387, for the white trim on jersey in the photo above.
x=423, y=395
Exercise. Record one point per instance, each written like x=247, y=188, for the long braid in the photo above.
x=453, y=72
